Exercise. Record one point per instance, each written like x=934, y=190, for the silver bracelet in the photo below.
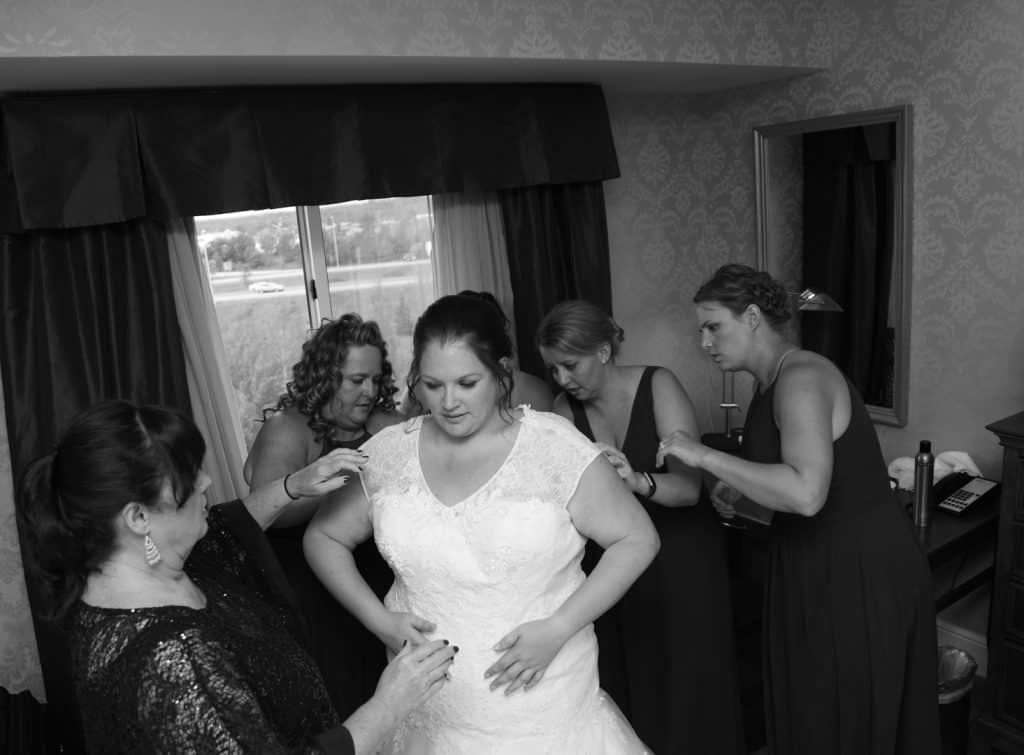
x=651, y=484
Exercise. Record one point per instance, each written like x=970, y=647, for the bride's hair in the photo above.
x=477, y=322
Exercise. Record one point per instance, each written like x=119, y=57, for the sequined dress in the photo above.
x=506, y=554
x=228, y=678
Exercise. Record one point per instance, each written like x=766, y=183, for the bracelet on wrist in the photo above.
x=288, y=492
x=651, y=484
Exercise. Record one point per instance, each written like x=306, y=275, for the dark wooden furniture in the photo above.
x=1001, y=726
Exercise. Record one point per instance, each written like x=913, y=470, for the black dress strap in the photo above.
x=579, y=416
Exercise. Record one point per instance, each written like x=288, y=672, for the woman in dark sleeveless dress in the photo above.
x=666, y=649
x=341, y=390
x=850, y=644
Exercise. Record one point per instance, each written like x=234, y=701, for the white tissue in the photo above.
x=947, y=462
x=958, y=461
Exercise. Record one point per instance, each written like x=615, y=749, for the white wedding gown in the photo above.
x=505, y=555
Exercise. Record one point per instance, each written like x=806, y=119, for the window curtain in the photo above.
x=83, y=160
x=22, y=727
x=848, y=232
x=210, y=390
x=557, y=240
x=87, y=315
x=469, y=247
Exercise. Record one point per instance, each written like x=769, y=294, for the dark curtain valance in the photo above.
x=82, y=160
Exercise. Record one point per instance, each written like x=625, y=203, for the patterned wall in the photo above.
x=685, y=202
x=768, y=32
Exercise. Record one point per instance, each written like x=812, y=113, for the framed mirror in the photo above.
x=833, y=216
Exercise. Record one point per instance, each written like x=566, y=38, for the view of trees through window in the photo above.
x=372, y=257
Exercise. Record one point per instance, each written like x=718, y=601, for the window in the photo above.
x=275, y=274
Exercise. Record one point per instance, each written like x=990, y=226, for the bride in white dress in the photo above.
x=483, y=511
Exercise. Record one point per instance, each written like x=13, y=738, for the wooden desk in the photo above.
x=949, y=539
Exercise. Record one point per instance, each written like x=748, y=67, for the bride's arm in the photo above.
x=604, y=510
x=341, y=523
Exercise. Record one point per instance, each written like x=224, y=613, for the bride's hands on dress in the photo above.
x=526, y=652
x=402, y=627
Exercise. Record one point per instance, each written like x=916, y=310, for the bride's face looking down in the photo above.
x=460, y=392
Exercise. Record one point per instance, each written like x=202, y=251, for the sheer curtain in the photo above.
x=19, y=657
x=209, y=387
x=469, y=247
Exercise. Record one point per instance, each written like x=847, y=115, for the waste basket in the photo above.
x=956, y=678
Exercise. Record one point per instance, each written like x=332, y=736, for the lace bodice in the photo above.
x=506, y=554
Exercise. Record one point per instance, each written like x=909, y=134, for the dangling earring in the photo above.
x=152, y=553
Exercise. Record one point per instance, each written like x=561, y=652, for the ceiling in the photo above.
x=152, y=71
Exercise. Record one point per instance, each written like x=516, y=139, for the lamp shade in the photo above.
x=810, y=300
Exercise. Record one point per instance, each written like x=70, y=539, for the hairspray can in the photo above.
x=924, y=476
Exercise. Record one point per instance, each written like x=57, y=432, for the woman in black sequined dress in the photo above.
x=180, y=622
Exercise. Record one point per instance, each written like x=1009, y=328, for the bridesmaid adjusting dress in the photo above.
x=667, y=653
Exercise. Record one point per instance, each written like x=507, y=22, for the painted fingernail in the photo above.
x=446, y=642
x=455, y=648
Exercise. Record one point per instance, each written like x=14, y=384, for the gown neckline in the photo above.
x=473, y=494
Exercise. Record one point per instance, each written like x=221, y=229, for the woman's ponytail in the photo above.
x=55, y=556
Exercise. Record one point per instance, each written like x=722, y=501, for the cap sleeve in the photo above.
x=560, y=451
x=389, y=452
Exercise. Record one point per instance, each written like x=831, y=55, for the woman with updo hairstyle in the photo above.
x=849, y=623
x=179, y=622
x=341, y=392
x=667, y=652
x=483, y=510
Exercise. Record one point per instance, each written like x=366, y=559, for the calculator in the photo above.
x=960, y=500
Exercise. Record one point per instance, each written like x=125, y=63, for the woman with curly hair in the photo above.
x=341, y=392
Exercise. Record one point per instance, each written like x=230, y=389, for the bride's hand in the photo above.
x=404, y=627
x=526, y=652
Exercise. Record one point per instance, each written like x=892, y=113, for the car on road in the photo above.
x=265, y=287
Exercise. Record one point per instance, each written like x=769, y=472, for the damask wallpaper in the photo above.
x=685, y=201
x=685, y=204
x=769, y=32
